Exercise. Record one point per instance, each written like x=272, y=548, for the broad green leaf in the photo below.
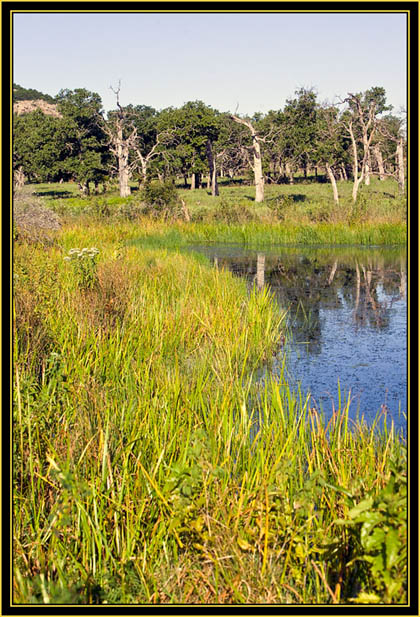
x=373, y=541
x=364, y=505
x=392, y=544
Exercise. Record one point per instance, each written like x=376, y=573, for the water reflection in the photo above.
x=367, y=284
x=347, y=314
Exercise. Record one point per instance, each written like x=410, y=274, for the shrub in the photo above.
x=319, y=212
x=162, y=199
x=233, y=213
x=279, y=205
x=32, y=220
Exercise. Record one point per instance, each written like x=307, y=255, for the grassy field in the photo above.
x=380, y=202
x=149, y=466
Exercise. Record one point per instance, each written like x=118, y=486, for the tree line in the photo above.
x=351, y=140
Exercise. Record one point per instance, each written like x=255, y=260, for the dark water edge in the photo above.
x=347, y=314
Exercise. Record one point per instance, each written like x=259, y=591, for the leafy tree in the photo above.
x=39, y=149
x=150, y=143
x=271, y=128
x=86, y=143
x=29, y=94
x=231, y=146
x=193, y=126
x=327, y=146
x=300, y=128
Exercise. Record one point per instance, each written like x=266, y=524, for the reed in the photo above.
x=149, y=465
x=266, y=234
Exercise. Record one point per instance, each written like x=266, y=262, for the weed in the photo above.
x=377, y=527
x=84, y=264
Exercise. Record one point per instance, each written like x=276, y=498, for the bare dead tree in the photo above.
x=367, y=126
x=125, y=144
x=329, y=126
x=256, y=162
x=144, y=159
x=379, y=161
x=398, y=156
x=122, y=138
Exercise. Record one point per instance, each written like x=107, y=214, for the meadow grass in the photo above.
x=302, y=214
x=150, y=467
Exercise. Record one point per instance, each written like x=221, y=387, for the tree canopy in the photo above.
x=354, y=138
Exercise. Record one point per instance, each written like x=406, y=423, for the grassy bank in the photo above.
x=148, y=465
x=299, y=214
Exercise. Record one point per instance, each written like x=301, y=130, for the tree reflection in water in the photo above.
x=346, y=306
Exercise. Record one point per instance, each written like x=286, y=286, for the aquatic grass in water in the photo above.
x=262, y=234
x=134, y=477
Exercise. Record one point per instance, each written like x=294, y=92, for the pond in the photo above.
x=347, y=313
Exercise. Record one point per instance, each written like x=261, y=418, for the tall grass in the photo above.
x=150, y=467
x=263, y=234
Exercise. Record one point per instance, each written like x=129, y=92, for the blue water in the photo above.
x=369, y=362
x=347, y=315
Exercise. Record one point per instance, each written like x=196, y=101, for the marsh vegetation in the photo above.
x=150, y=466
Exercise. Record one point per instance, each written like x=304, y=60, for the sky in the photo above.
x=236, y=61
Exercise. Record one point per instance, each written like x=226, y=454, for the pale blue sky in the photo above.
x=255, y=60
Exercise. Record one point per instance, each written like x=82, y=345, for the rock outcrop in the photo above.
x=25, y=107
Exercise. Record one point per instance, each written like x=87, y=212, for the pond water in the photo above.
x=347, y=313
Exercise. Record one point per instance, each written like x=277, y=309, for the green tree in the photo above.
x=192, y=126
x=328, y=149
x=300, y=128
x=86, y=144
x=39, y=147
x=150, y=143
x=30, y=94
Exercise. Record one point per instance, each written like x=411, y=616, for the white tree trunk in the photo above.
x=356, y=179
x=333, y=182
x=400, y=164
x=367, y=170
x=143, y=172
x=123, y=169
x=366, y=125
x=379, y=161
x=257, y=162
x=289, y=173
x=258, y=173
